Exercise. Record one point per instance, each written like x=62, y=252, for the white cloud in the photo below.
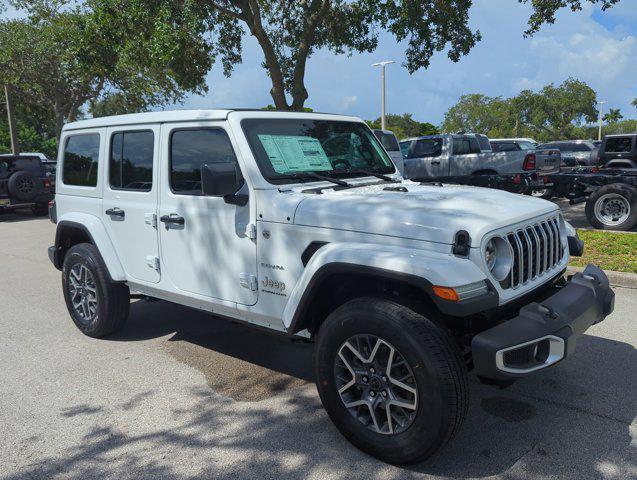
x=348, y=101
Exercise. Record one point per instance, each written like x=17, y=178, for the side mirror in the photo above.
x=223, y=180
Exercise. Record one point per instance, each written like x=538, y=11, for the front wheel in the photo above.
x=392, y=382
x=97, y=306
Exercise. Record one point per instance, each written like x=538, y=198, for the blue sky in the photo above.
x=597, y=47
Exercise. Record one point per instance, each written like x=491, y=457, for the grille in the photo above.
x=537, y=249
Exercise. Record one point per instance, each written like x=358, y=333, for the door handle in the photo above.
x=116, y=212
x=172, y=219
x=435, y=162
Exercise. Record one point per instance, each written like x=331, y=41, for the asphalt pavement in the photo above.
x=181, y=394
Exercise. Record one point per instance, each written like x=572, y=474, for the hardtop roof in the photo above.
x=183, y=116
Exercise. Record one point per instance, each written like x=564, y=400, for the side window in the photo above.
x=461, y=146
x=428, y=147
x=404, y=148
x=474, y=145
x=618, y=144
x=484, y=143
x=189, y=150
x=81, y=156
x=131, y=160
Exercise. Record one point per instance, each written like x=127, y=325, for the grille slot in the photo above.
x=537, y=249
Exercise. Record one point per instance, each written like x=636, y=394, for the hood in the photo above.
x=425, y=212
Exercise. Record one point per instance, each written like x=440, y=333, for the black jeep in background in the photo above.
x=25, y=181
x=618, y=151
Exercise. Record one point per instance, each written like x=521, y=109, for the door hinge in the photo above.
x=249, y=281
x=152, y=262
x=251, y=231
x=151, y=219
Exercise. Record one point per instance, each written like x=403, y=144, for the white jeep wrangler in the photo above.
x=300, y=223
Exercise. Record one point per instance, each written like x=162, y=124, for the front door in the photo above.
x=129, y=204
x=204, y=246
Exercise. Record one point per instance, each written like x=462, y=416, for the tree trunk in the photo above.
x=13, y=128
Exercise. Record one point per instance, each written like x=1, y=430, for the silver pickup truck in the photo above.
x=435, y=156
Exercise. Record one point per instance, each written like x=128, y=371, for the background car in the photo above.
x=618, y=151
x=25, y=182
x=390, y=142
x=575, y=152
x=512, y=144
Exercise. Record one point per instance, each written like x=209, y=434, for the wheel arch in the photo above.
x=338, y=273
x=84, y=228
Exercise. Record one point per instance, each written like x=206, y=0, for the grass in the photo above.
x=608, y=250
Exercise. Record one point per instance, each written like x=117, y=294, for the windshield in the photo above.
x=289, y=147
x=524, y=145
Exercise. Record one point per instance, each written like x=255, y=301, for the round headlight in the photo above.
x=499, y=258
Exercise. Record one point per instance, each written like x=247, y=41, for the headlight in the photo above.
x=498, y=257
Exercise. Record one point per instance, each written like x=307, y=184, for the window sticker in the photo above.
x=289, y=154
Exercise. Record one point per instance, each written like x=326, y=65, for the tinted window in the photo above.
x=504, y=146
x=426, y=147
x=484, y=142
x=131, y=162
x=189, y=149
x=618, y=144
x=8, y=165
x=465, y=145
x=576, y=147
x=388, y=140
x=81, y=155
x=404, y=148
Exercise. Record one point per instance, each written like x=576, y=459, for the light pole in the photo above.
x=382, y=90
x=601, y=107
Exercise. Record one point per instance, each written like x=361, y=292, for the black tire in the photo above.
x=626, y=194
x=113, y=299
x=22, y=186
x=438, y=370
x=40, y=209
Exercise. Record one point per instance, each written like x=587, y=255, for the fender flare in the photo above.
x=95, y=230
x=422, y=268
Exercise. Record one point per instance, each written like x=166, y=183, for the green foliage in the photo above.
x=622, y=126
x=544, y=10
x=63, y=55
x=272, y=108
x=553, y=113
x=116, y=103
x=613, y=115
x=404, y=126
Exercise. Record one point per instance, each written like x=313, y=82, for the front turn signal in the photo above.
x=446, y=293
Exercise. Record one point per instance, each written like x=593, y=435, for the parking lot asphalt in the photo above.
x=181, y=394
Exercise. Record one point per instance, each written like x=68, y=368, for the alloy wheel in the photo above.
x=376, y=384
x=83, y=293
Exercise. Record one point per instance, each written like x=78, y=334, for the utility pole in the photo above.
x=601, y=107
x=13, y=131
x=382, y=65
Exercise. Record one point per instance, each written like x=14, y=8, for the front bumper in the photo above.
x=544, y=333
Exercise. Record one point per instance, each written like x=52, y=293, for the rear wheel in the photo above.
x=392, y=382
x=613, y=207
x=97, y=306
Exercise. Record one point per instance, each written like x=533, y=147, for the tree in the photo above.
x=478, y=113
x=62, y=56
x=404, y=126
x=614, y=115
x=634, y=103
x=290, y=32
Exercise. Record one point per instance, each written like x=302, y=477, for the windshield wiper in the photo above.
x=313, y=175
x=371, y=173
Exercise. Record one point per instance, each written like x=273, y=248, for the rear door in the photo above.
x=130, y=198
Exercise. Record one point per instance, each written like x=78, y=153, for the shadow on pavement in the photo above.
x=572, y=422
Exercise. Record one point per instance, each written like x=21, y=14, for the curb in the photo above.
x=617, y=279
